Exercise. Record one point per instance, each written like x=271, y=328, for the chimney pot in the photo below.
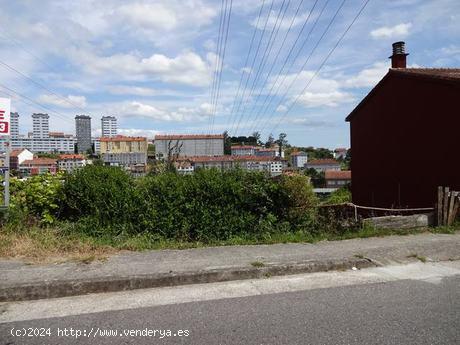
x=398, y=59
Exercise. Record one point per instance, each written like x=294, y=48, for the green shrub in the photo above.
x=100, y=196
x=38, y=196
x=340, y=196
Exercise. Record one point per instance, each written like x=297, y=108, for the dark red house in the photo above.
x=405, y=136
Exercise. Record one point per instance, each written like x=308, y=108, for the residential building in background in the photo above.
x=243, y=150
x=271, y=165
x=109, y=126
x=299, y=159
x=410, y=116
x=340, y=153
x=321, y=165
x=71, y=162
x=40, y=126
x=189, y=145
x=18, y=156
x=83, y=132
x=37, y=166
x=337, y=179
x=128, y=152
x=14, y=125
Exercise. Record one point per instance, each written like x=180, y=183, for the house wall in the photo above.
x=413, y=123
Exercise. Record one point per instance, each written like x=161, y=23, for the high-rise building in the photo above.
x=14, y=123
x=109, y=126
x=40, y=126
x=83, y=132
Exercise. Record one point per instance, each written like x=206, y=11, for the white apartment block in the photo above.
x=14, y=125
x=299, y=159
x=71, y=162
x=109, y=126
x=40, y=126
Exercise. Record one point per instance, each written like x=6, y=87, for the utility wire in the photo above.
x=254, y=60
x=40, y=85
x=216, y=63
x=36, y=103
x=266, y=53
x=271, y=94
x=221, y=65
x=322, y=64
x=246, y=62
x=276, y=58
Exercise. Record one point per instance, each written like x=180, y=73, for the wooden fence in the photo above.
x=447, y=206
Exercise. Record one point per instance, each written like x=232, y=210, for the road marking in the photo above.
x=94, y=303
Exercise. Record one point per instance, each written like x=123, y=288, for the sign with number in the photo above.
x=5, y=105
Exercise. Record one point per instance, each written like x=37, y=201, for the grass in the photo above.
x=418, y=257
x=257, y=264
x=56, y=244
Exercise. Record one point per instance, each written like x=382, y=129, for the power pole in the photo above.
x=5, y=107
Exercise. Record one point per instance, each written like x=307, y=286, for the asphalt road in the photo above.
x=424, y=310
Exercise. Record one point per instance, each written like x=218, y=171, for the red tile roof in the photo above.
x=188, y=136
x=324, y=161
x=16, y=152
x=243, y=147
x=228, y=158
x=39, y=161
x=70, y=156
x=438, y=73
x=337, y=175
x=122, y=138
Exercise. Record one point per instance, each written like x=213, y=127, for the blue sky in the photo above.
x=151, y=63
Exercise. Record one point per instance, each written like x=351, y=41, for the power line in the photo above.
x=216, y=63
x=322, y=64
x=65, y=118
x=247, y=60
x=40, y=85
x=221, y=64
x=254, y=59
x=270, y=96
x=266, y=53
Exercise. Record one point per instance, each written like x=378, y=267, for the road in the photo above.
x=410, y=304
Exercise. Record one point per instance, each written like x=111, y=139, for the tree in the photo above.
x=281, y=142
x=317, y=178
x=227, y=144
x=256, y=136
x=270, y=141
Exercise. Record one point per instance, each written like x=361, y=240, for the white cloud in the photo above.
x=398, y=31
x=70, y=101
x=186, y=68
x=182, y=114
x=369, y=76
x=321, y=92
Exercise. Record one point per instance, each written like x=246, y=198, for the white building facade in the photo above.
x=109, y=126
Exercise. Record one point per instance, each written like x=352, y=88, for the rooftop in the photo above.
x=228, y=158
x=122, y=138
x=337, y=175
x=324, y=161
x=39, y=161
x=71, y=156
x=188, y=136
x=438, y=73
x=243, y=147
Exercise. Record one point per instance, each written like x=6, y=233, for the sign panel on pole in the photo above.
x=5, y=105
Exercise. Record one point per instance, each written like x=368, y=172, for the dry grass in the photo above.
x=47, y=245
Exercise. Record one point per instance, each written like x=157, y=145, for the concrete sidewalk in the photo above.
x=21, y=281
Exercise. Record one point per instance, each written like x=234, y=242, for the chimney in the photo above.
x=398, y=59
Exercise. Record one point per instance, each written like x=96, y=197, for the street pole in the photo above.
x=7, y=172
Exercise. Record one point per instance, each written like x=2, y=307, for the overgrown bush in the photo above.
x=38, y=196
x=340, y=196
x=100, y=197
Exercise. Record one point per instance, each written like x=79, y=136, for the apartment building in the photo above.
x=128, y=152
x=189, y=145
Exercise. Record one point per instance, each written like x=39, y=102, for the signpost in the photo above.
x=5, y=106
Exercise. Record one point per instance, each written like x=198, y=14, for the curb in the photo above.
x=63, y=288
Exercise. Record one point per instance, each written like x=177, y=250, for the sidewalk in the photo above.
x=20, y=281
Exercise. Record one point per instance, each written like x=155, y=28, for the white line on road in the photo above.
x=61, y=307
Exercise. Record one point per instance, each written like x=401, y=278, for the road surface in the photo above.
x=411, y=304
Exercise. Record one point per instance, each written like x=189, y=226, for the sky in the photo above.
x=166, y=66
